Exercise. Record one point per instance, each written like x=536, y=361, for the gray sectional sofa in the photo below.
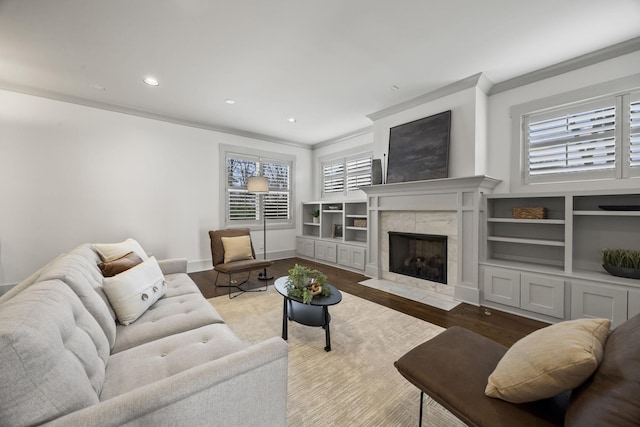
x=66, y=361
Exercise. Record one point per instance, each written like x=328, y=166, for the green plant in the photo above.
x=315, y=213
x=625, y=258
x=301, y=279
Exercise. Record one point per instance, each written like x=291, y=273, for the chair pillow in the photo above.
x=111, y=268
x=549, y=361
x=237, y=248
x=112, y=251
x=133, y=291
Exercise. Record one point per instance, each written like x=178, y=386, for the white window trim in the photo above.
x=519, y=152
x=343, y=157
x=225, y=150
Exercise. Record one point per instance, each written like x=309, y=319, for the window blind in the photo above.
x=358, y=173
x=347, y=174
x=244, y=206
x=634, y=133
x=333, y=177
x=579, y=140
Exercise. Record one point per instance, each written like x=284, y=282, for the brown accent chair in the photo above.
x=453, y=369
x=234, y=267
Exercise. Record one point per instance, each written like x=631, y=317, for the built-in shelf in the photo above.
x=526, y=241
x=606, y=213
x=532, y=266
x=527, y=221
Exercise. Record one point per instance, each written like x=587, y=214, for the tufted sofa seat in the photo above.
x=65, y=360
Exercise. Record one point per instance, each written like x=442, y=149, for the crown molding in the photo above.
x=28, y=90
x=582, y=61
x=343, y=137
x=476, y=80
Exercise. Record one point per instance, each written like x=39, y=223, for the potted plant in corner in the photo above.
x=306, y=283
x=622, y=262
x=316, y=215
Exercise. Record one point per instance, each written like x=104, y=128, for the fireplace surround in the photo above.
x=448, y=206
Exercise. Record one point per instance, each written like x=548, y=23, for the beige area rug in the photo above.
x=355, y=384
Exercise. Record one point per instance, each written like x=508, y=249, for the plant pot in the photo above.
x=316, y=220
x=631, y=273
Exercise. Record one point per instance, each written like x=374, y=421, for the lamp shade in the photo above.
x=258, y=184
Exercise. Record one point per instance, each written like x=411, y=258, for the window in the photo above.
x=244, y=208
x=599, y=139
x=347, y=174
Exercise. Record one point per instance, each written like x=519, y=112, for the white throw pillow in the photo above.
x=112, y=251
x=133, y=291
x=237, y=248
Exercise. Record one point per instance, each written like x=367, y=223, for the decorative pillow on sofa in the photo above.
x=133, y=291
x=113, y=251
x=111, y=268
x=237, y=248
x=549, y=361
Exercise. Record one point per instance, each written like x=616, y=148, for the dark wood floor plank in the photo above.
x=499, y=326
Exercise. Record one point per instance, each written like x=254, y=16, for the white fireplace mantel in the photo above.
x=461, y=196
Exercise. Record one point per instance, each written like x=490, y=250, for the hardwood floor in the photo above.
x=502, y=327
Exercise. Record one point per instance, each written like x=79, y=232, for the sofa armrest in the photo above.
x=173, y=265
x=247, y=388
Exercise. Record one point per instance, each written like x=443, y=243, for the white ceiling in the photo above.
x=328, y=63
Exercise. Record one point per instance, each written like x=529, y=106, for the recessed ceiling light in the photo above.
x=230, y=101
x=151, y=81
x=394, y=88
x=291, y=120
x=97, y=87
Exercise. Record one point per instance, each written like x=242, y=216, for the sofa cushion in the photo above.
x=237, y=248
x=79, y=270
x=549, y=361
x=180, y=284
x=53, y=355
x=168, y=316
x=611, y=396
x=117, y=266
x=112, y=251
x=168, y=356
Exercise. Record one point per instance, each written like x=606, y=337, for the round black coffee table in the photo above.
x=314, y=314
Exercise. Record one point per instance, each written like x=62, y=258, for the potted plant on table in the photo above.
x=306, y=283
x=622, y=262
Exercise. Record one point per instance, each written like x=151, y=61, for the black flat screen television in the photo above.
x=419, y=150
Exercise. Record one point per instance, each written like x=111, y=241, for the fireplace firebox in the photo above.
x=418, y=255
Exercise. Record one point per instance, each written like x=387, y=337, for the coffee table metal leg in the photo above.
x=284, y=320
x=326, y=329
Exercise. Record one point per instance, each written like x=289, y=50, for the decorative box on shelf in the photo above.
x=530, y=213
x=360, y=223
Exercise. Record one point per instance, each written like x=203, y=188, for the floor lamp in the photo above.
x=260, y=185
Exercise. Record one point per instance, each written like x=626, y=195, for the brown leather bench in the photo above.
x=453, y=368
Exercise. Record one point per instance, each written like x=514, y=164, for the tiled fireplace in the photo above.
x=447, y=207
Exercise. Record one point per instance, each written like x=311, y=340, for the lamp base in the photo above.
x=264, y=276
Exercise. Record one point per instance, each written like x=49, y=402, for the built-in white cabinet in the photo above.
x=351, y=256
x=305, y=247
x=337, y=232
x=532, y=292
x=549, y=266
x=326, y=251
x=596, y=300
